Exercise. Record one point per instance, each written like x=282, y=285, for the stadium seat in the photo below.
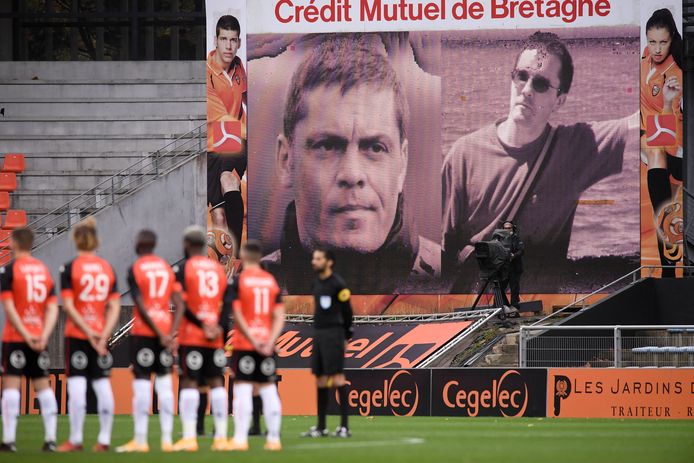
x=5, y=200
x=13, y=163
x=5, y=257
x=8, y=181
x=5, y=239
x=15, y=219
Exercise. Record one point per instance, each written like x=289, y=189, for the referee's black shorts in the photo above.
x=216, y=164
x=328, y=351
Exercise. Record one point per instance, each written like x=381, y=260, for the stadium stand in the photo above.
x=78, y=123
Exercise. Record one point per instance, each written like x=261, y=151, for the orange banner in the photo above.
x=621, y=393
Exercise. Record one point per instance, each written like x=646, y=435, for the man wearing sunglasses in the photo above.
x=486, y=172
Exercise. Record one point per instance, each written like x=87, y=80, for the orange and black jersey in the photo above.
x=208, y=300
x=151, y=278
x=28, y=283
x=90, y=282
x=257, y=296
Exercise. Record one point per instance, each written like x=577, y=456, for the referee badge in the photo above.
x=343, y=296
x=326, y=302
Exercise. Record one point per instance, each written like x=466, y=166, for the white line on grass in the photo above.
x=357, y=444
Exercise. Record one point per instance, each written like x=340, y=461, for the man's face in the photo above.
x=227, y=44
x=528, y=106
x=508, y=227
x=347, y=166
x=319, y=262
x=659, y=42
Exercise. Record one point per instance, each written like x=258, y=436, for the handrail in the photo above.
x=602, y=290
x=119, y=185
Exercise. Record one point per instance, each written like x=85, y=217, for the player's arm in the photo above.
x=227, y=303
x=139, y=302
x=51, y=317
x=278, y=315
x=344, y=296
x=112, y=313
x=6, y=277
x=69, y=305
x=180, y=300
x=15, y=320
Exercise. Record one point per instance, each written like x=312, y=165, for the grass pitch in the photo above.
x=396, y=440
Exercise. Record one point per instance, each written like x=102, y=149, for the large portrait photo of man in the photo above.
x=347, y=158
x=541, y=132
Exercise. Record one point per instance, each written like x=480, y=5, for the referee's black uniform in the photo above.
x=333, y=326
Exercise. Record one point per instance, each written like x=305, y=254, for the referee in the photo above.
x=333, y=327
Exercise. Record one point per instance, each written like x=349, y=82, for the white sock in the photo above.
x=10, y=414
x=272, y=410
x=219, y=401
x=188, y=403
x=243, y=411
x=164, y=387
x=49, y=413
x=142, y=398
x=76, y=407
x=104, y=405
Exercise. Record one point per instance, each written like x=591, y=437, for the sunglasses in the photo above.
x=539, y=83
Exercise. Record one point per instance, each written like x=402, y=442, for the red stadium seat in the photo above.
x=4, y=200
x=13, y=163
x=8, y=181
x=15, y=219
x=5, y=257
x=5, y=239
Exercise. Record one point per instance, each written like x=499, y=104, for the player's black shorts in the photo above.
x=82, y=360
x=202, y=363
x=148, y=356
x=217, y=164
x=18, y=359
x=252, y=367
x=328, y=352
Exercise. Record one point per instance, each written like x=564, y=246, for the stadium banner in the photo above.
x=226, y=84
x=488, y=392
x=363, y=113
x=662, y=133
x=386, y=392
x=401, y=345
x=644, y=393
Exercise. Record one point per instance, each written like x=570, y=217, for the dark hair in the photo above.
x=327, y=253
x=549, y=42
x=253, y=247
x=345, y=61
x=146, y=241
x=228, y=23
x=24, y=238
x=662, y=19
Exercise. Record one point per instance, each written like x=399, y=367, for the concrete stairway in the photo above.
x=79, y=123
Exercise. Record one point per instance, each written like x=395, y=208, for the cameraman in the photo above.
x=515, y=246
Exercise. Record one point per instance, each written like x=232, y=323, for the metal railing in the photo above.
x=629, y=279
x=120, y=185
x=621, y=346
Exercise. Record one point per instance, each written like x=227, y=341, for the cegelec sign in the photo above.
x=386, y=392
x=623, y=393
x=488, y=392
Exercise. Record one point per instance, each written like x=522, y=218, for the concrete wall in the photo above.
x=166, y=206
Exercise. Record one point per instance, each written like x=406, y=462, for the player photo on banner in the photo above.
x=538, y=131
x=662, y=223
x=346, y=155
x=226, y=83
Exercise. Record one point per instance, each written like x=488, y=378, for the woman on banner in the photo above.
x=661, y=111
